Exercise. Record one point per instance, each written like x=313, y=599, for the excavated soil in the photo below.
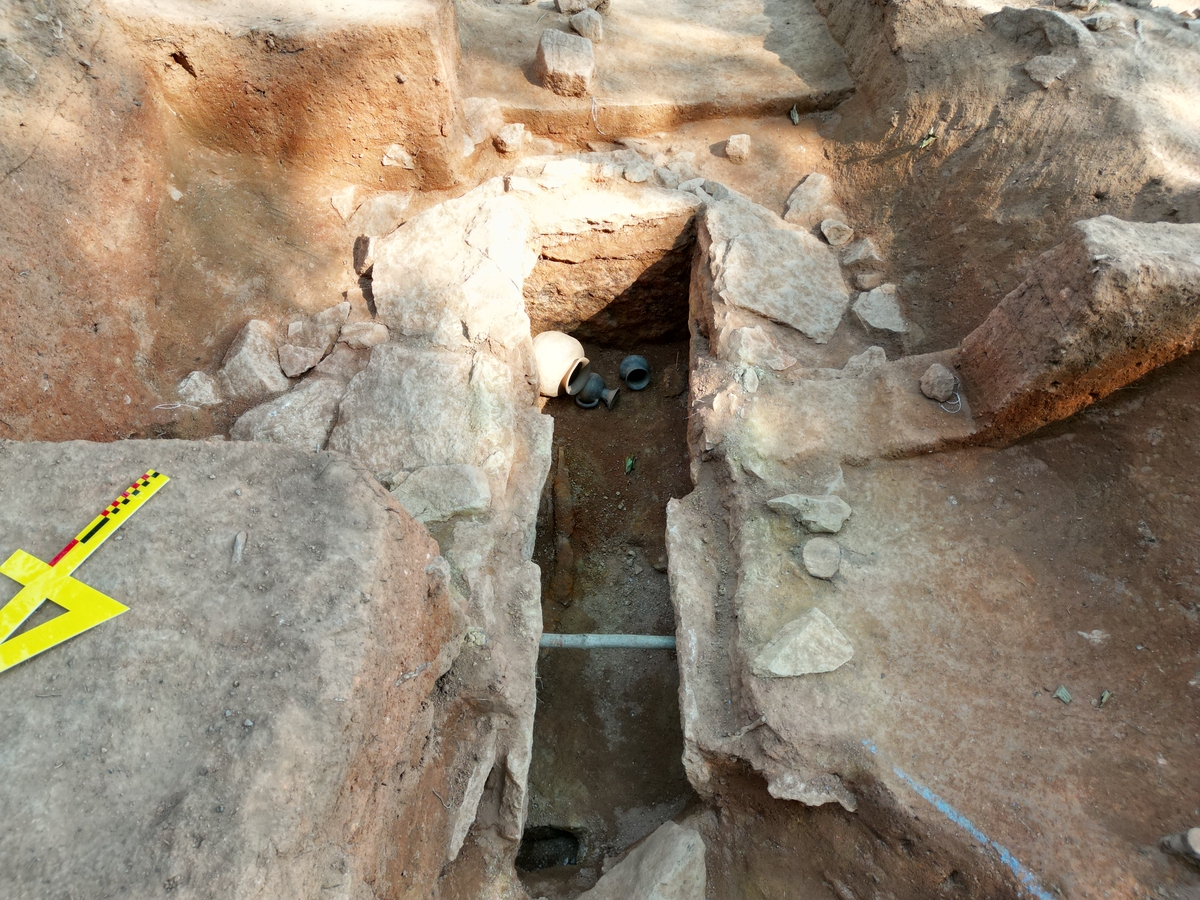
x=148, y=220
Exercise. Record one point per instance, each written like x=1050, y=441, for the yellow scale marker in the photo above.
x=85, y=607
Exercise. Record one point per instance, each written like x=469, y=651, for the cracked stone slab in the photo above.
x=414, y=408
x=454, y=273
x=301, y=418
x=787, y=276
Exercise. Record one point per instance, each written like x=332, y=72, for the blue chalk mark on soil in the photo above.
x=1027, y=878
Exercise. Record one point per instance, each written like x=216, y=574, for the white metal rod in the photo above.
x=596, y=641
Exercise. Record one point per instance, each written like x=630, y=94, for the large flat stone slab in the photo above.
x=231, y=734
x=751, y=265
x=869, y=409
x=415, y=408
x=453, y=273
x=1111, y=302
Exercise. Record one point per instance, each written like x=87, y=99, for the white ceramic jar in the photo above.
x=562, y=367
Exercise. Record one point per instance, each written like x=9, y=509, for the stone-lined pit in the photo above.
x=607, y=766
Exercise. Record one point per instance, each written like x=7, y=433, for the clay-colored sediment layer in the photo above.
x=328, y=86
x=660, y=64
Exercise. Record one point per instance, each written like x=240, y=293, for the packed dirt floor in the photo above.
x=928, y=641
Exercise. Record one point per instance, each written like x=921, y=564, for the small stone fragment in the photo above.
x=818, y=514
x=862, y=254
x=319, y=332
x=1185, y=845
x=638, y=173
x=199, y=389
x=938, y=383
x=668, y=178
x=239, y=547
x=295, y=361
x=1192, y=839
x=737, y=148
x=1045, y=70
x=808, y=645
x=587, y=23
x=511, y=138
x=362, y=335
x=753, y=346
x=571, y=7
x=251, y=370
x=1102, y=21
x=879, y=310
x=484, y=118
x=812, y=201
x=837, y=233
x=395, y=155
x=344, y=201
x=692, y=184
x=565, y=63
x=870, y=360
x=1059, y=29
x=865, y=281
x=822, y=557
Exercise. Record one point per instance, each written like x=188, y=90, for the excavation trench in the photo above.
x=607, y=767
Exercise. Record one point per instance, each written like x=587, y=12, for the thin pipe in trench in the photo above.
x=598, y=641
